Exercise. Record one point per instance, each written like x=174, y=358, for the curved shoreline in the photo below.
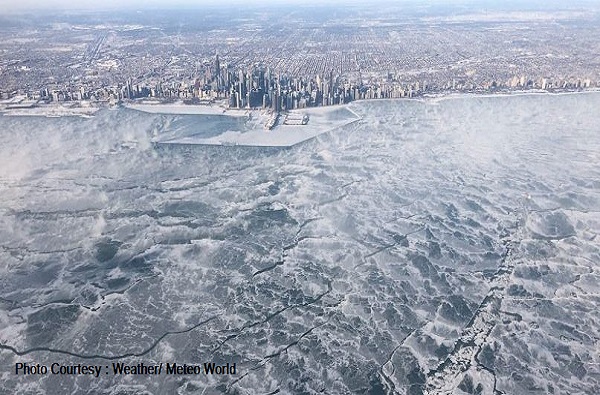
x=180, y=108
x=508, y=94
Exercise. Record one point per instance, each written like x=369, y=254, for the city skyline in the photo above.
x=311, y=58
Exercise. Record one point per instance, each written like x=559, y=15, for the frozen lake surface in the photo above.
x=287, y=131
x=441, y=246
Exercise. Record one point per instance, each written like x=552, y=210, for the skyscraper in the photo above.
x=217, y=67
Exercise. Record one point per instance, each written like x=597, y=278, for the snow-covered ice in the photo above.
x=435, y=246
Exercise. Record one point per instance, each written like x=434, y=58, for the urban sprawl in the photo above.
x=295, y=61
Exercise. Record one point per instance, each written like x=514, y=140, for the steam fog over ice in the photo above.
x=350, y=263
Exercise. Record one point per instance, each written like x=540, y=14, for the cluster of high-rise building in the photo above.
x=259, y=87
x=285, y=65
x=262, y=87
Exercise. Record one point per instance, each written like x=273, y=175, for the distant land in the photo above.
x=282, y=58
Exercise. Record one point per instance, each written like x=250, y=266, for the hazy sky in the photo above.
x=21, y=5
x=10, y=6
x=24, y=5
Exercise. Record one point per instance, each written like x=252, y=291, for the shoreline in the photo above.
x=285, y=136
x=75, y=109
x=434, y=97
x=531, y=92
x=179, y=108
x=51, y=111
